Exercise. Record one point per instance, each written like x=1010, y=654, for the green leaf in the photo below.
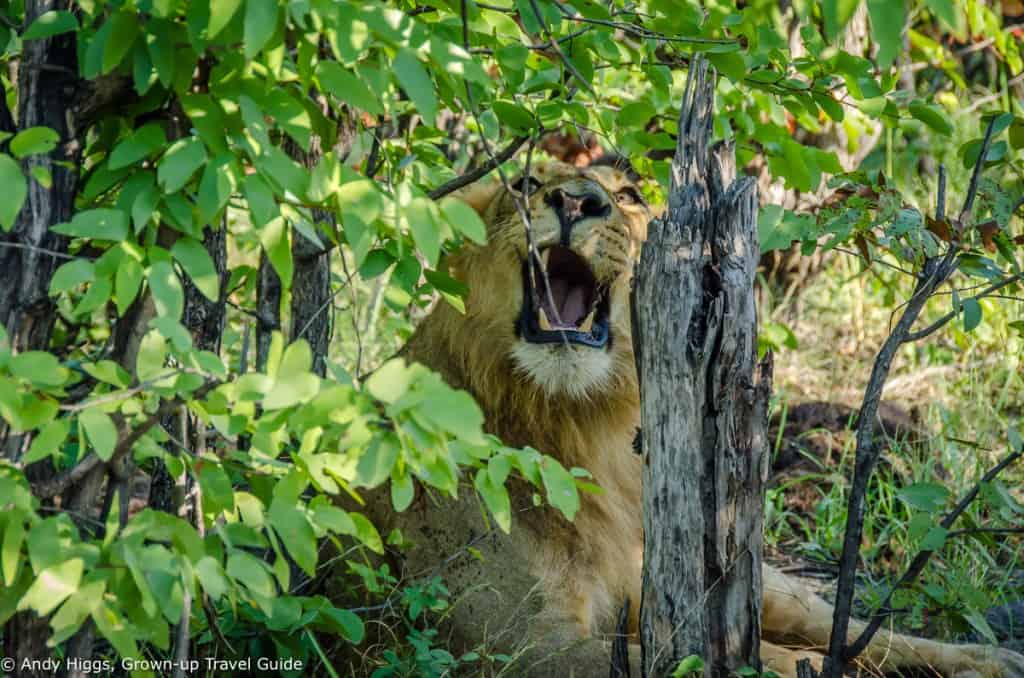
x=295, y=532
x=455, y=412
x=887, y=19
x=48, y=441
x=124, y=27
x=295, y=383
x=972, y=314
x=100, y=430
x=211, y=577
x=251, y=572
x=218, y=494
x=367, y=533
x=691, y=664
x=38, y=367
x=168, y=296
x=42, y=176
x=413, y=78
x=149, y=362
x=935, y=538
x=216, y=187
x=221, y=13
x=196, y=260
x=421, y=215
x=140, y=144
x=376, y=462
x=348, y=623
x=10, y=549
x=947, y=12
x=52, y=587
x=931, y=116
x=464, y=219
x=495, y=497
x=514, y=116
x=49, y=24
x=100, y=224
x=260, y=24
x=261, y=200
x=837, y=14
x=925, y=496
x=402, y=490
x=390, y=381
x=560, y=486
x=33, y=141
x=348, y=88
x=15, y=190
x=274, y=238
x=127, y=282
x=70, y=275
x=179, y=163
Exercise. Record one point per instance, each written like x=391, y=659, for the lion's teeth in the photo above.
x=542, y=318
x=544, y=258
x=588, y=323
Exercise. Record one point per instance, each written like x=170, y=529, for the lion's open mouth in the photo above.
x=571, y=308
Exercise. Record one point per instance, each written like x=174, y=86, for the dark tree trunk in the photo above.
x=704, y=403
x=45, y=97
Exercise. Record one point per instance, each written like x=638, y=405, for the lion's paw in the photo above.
x=987, y=661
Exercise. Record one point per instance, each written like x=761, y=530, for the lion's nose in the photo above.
x=573, y=208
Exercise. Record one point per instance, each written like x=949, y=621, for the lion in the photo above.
x=551, y=364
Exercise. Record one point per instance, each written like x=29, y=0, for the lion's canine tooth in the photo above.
x=588, y=323
x=544, y=258
x=542, y=318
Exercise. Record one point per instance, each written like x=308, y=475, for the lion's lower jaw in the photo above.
x=578, y=372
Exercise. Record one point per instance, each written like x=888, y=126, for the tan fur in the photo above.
x=550, y=590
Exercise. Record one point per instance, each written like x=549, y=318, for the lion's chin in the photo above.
x=564, y=370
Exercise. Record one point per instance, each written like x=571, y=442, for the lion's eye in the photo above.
x=629, y=196
x=527, y=185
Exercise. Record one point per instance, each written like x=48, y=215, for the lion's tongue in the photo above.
x=569, y=300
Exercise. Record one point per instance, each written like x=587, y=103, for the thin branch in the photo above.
x=569, y=66
x=972, y=189
x=637, y=30
x=41, y=250
x=116, y=396
x=56, y=485
x=938, y=324
x=985, y=530
x=940, y=199
x=468, y=178
x=921, y=559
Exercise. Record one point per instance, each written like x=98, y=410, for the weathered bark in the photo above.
x=703, y=408
x=44, y=99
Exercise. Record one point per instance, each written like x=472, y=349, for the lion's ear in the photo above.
x=479, y=195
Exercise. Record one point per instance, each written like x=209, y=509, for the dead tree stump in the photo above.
x=704, y=410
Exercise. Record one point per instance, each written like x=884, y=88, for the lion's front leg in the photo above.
x=792, y=611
